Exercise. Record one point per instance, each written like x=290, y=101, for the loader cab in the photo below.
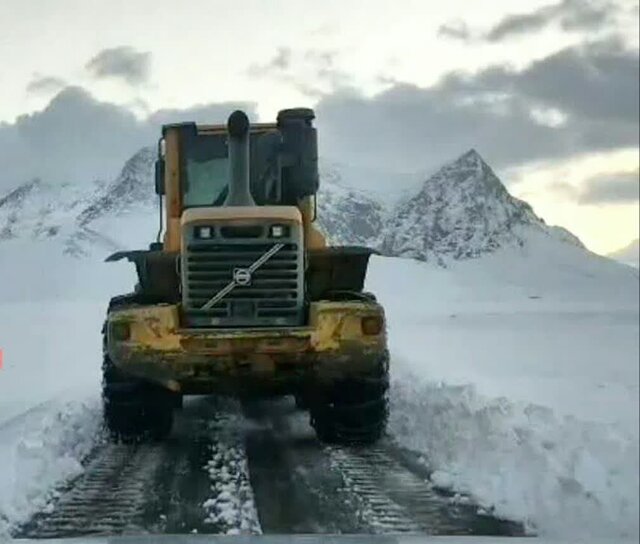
x=192, y=169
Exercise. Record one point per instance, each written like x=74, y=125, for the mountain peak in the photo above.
x=462, y=211
x=470, y=154
x=470, y=160
x=132, y=188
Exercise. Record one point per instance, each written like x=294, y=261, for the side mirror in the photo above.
x=160, y=176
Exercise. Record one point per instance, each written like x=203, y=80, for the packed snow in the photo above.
x=231, y=506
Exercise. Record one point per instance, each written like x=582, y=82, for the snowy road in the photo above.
x=136, y=488
x=302, y=486
x=198, y=481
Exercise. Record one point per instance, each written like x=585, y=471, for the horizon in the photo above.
x=546, y=92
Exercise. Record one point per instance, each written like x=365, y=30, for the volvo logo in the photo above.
x=242, y=276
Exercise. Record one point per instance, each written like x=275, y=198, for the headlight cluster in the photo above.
x=207, y=232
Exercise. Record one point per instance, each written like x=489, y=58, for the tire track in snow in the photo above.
x=396, y=498
x=108, y=498
x=162, y=487
x=302, y=486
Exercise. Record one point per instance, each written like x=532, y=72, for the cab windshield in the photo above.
x=205, y=171
x=205, y=176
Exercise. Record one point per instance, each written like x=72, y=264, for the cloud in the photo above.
x=45, y=85
x=313, y=72
x=611, y=188
x=569, y=14
x=592, y=91
x=123, y=62
x=77, y=138
x=457, y=30
x=598, y=81
x=279, y=62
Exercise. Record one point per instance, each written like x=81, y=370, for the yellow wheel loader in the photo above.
x=240, y=295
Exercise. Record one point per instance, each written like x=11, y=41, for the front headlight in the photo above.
x=203, y=233
x=279, y=231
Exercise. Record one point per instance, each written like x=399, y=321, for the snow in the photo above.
x=41, y=449
x=231, y=506
x=516, y=376
x=51, y=314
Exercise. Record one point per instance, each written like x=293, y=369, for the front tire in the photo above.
x=353, y=411
x=134, y=410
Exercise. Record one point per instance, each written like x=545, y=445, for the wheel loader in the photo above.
x=240, y=294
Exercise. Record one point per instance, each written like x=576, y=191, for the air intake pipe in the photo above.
x=239, y=180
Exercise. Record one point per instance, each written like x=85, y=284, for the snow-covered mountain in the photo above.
x=84, y=218
x=629, y=254
x=346, y=215
x=40, y=210
x=460, y=212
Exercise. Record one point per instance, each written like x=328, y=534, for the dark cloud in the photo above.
x=611, y=188
x=123, y=62
x=457, y=30
x=406, y=127
x=569, y=14
x=45, y=85
x=79, y=139
x=598, y=81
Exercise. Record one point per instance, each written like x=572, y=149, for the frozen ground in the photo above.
x=515, y=375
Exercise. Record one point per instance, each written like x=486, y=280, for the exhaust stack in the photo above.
x=239, y=181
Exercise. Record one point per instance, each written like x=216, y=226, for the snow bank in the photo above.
x=562, y=476
x=51, y=313
x=40, y=450
x=516, y=376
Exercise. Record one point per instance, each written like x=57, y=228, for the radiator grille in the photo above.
x=274, y=296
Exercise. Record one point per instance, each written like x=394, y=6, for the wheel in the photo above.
x=353, y=411
x=134, y=410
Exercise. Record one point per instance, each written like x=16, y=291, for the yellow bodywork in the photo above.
x=333, y=346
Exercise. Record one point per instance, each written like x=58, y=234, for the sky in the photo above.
x=546, y=91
